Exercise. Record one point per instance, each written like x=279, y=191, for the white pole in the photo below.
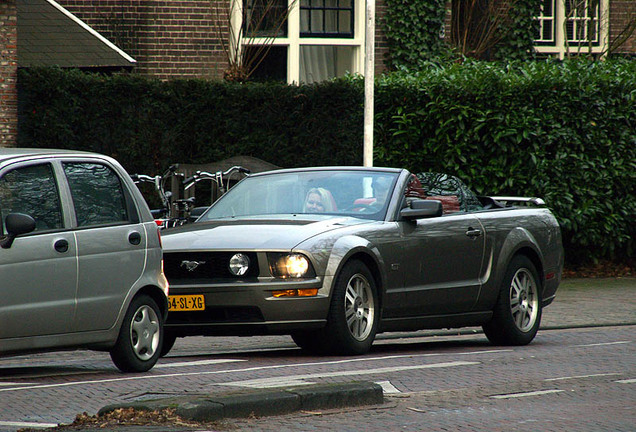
x=369, y=79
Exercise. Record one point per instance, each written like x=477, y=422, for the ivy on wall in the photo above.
x=520, y=31
x=414, y=31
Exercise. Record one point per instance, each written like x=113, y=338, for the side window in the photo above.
x=97, y=193
x=32, y=190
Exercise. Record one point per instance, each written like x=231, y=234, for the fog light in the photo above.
x=239, y=264
x=305, y=292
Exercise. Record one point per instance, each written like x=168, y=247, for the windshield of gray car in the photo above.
x=363, y=194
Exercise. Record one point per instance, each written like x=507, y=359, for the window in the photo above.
x=97, y=193
x=546, y=20
x=568, y=27
x=326, y=18
x=33, y=191
x=311, y=40
x=582, y=21
x=265, y=18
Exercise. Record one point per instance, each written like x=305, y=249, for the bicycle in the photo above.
x=222, y=180
x=172, y=212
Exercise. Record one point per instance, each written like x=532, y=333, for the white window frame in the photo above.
x=559, y=46
x=294, y=42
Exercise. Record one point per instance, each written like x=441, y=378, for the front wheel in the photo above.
x=139, y=343
x=517, y=313
x=353, y=315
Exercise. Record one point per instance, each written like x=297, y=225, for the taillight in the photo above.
x=159, y=237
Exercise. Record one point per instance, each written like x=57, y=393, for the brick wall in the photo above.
x=621, y=13
x=168, y=38
x=8, y=74
x=175, y=37
x=381, y=46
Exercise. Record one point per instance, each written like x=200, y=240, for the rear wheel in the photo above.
x=138, y=346
x=517, y=314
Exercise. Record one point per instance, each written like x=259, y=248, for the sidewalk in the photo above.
x=592, y=302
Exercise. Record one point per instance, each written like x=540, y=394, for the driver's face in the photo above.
x=314, y=203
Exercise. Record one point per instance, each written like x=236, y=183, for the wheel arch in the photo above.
x=373, y=267
x=355, y=248
x=155, y=293
x=520, y=242
x=534, y=257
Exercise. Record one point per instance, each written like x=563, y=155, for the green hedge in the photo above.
x=149, y=124
x=564, y=132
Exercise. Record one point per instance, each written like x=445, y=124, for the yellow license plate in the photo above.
x=178, y=303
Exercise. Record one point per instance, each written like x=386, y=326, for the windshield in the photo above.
x=362, y=194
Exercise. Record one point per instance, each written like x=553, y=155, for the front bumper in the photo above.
x=248, y=308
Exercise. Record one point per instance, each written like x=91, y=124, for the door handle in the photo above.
x=134, y=238
x=473, y=233
x=61, y=246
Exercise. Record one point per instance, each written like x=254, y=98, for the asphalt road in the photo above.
x=578, y=374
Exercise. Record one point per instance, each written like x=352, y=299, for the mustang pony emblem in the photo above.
x=191, y=265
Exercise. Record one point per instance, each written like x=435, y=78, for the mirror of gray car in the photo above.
x=420, y=209
x=16, y=224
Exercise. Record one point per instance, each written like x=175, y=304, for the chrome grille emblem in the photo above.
x=191, y=265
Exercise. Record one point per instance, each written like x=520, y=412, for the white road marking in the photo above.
x=14, y=383
x=526, y=394
x=294, y=380
x=196, y=363
x=627, y=381
x=387, y=387
x=580, y=376
x=28, y=424
x=187, y=374
x=602, y=344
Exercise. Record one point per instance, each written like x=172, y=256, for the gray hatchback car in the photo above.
x=80, y=259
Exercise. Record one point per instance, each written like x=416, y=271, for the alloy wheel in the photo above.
x=524, y=300
x=359, y=307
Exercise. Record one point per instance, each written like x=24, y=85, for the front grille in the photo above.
x=202, y=266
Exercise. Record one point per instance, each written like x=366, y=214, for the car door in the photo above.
x=111, y=242
x=442, y=257
x=38, y=272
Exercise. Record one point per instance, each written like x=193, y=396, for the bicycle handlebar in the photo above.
x=217, y=177
x=142, y=178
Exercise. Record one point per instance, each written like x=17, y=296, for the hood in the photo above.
x=250, y=234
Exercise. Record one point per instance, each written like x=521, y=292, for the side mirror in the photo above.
x=421, y=209
x=16, y=224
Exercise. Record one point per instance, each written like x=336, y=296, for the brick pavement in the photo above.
x=579, y=303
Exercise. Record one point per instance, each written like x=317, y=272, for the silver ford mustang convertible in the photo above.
x=333, y=256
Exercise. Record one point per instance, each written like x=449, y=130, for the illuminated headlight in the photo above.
x=290, y=266
x=239, y=264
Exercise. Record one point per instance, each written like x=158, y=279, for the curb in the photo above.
x=263, y=403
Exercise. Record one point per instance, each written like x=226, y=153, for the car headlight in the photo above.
x=290, y=266
x=239, y=264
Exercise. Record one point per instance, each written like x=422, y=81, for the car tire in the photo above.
x=139, y=343
x=517, y=313
x=352, y=321
x=169, y=338
x=309, y=341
